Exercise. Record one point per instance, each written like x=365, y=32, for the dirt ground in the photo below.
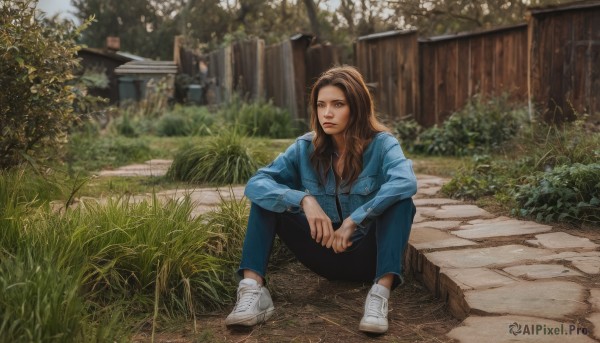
x=309, y=308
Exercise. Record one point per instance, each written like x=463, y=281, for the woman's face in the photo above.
x=333, y=110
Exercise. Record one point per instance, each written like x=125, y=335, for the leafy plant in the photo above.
x=482, y=125
x=567, y=193
x=482, y=178
x=259, y=118
x=36, y=61
x=225, y=159
x=173, y=125
x=407, y=130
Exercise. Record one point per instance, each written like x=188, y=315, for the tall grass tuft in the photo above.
x=118, y=246
x=39, y=301
x=225, y=159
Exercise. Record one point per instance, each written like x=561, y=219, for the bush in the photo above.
x=568, y=193
x=483, y=178
x=260, y=119
x=173, y=125
x=185, y=121
x=225, y=159
x=407, y=130
x=36, y=62
x=482, y=125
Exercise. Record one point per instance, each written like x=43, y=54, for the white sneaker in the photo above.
x=253, y=306
x=376, y=310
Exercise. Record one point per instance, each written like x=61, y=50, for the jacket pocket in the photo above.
x=312, y=187
x=364, y=186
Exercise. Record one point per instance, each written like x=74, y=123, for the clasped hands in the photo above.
x=321, y=229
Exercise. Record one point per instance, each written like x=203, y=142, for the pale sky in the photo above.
x=61, y=7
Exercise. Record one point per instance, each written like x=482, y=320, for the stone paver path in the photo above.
x=509, y=280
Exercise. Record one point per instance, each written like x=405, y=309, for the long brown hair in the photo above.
x=362, y=125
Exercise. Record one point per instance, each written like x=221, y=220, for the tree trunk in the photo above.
x=311, y=10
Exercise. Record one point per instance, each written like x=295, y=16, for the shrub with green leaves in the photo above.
x=224, y=159
x=482, y=125
x=482, y=178
x=407, y=130
x=185, y=121
x=260, y=119
x=568, y=193
x=266, y=120
x=36, y=62
x=170, y=125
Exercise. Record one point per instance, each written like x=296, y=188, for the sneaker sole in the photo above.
x=257, y=319
x=372, y=328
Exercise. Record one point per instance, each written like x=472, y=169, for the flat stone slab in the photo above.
x=562, y=240
x=510, y=328
x=552, y=299
x=569, y=254
x=541, y=271
x=426, y=238
x=435, y=202
x=424, y=180
x=439, y=224
x=205, y=196
x=426, y=211
x=490, y=220
x=459, y=211
x=594, y=299
x=510, y=227
x=148, y=168
x=594, y=318
x=485, y=257
x=588, y=265
x=477, y=278
x=430, y=191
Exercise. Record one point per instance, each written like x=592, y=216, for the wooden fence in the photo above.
x=455, y=68
x=389, y=63
x=281, y=73
x=553, y=61
x=565, y=60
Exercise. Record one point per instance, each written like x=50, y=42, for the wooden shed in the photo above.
x=285, y=74
x=107, y=60
x=389, y=63
x=135, y=76
x=456, y=67
x=564, y=60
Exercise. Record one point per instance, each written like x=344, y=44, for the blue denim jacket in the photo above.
x=387, y=177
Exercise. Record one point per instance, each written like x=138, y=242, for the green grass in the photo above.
x=224, y=159
x=445, y=166
x=84, y=273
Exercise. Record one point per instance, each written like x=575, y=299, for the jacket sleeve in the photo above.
x=399, y=183
x=274, y=186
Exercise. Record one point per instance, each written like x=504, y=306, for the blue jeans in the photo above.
x=371, y=256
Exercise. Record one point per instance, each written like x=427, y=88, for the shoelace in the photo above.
x=246, y=297
x=377, y=306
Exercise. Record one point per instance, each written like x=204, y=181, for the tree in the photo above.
x=141, y=25
x=436, y=17
x=36, y=62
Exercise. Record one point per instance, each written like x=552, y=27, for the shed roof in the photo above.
x=147, y=67
x=471, y=34
x=386, y=34
x=115, y=55
x=575, y=5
